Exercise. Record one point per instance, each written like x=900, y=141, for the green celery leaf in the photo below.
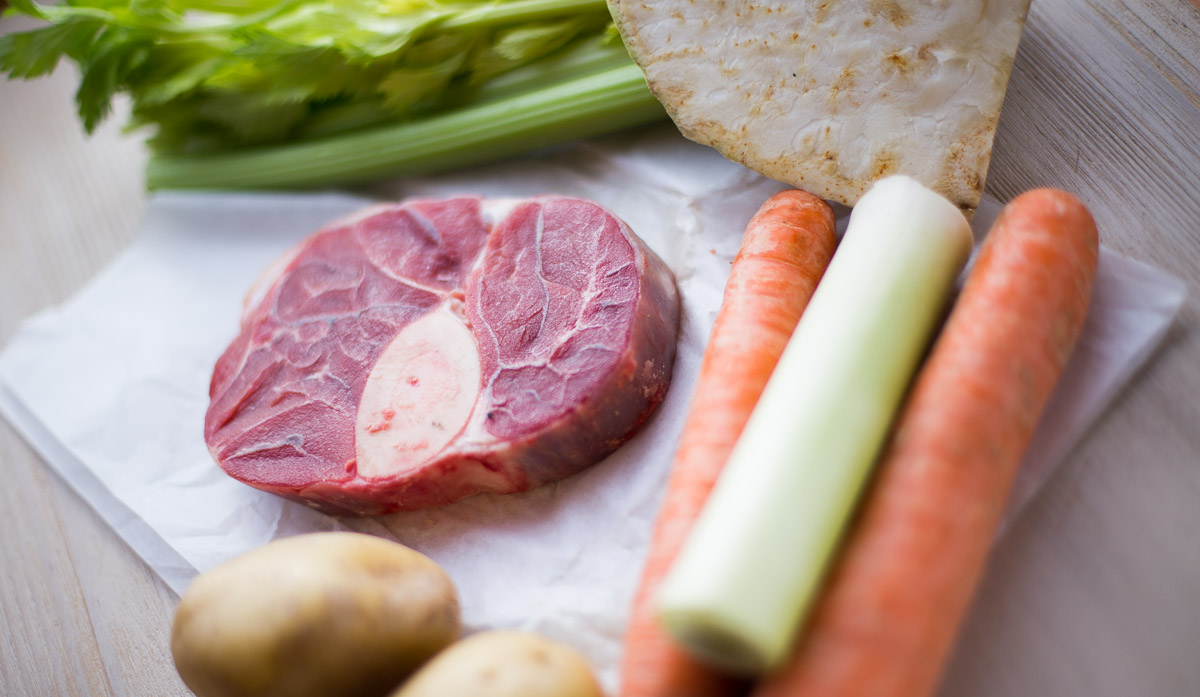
x=177, y=130
x=498, y=13
x=406, y=90
x=221, y=76
x=155, y=10
x=428, y=69
x=357, y=28
x=172, y=71
x=231, y=7
x=190, y=139
x=35, y=53
x=27, y=7
x=106, y=71
x=439, y=48
x=341, y=116
x=517, y=46
x=524, y=43
x=258, y=118
x=315, y=72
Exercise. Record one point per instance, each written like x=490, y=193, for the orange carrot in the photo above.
x=892, y=605
x=785, y=249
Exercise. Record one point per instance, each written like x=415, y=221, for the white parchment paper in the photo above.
x=111, y=386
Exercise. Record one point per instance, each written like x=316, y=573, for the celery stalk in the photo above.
x=748, y=573
x=584, y=107
x=380, y=88
x=572, y=63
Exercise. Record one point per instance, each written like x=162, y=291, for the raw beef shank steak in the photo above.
x=418, y=353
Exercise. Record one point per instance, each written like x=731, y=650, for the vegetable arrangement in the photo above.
x=878, y=614
x=257, y=93
x=832, y=99
x=759, y=567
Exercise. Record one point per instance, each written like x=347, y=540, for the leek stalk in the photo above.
x=754, y=561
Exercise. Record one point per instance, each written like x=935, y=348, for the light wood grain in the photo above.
x=80, y=614
x=1093, y=592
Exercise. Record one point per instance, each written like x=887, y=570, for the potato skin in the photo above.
x=318, y=614
x=504, y=664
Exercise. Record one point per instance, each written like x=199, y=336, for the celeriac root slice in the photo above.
x=830, y=97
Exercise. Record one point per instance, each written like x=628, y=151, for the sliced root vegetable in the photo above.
x=832, y=96
x=898, y=593
x=784, y=251
x=751, y=566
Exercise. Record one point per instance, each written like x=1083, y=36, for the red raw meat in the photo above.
x=419, y=353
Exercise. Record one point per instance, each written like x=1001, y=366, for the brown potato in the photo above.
x=320, y=614
x=504, y=664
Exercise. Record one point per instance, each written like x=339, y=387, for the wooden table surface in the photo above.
x=1096, y=590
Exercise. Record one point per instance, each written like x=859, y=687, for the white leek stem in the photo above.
x=753, y=563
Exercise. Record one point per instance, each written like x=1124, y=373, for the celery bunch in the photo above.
x=267, y=93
